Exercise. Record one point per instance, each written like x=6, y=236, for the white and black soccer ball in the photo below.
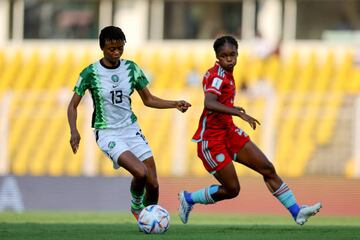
x=154, y=219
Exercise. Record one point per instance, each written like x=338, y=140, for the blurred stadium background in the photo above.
x=298, y=72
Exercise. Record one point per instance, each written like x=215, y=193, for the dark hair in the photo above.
x=111, y=33
x=219, y=42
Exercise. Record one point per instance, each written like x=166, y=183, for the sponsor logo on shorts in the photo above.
x=220, y=157
x=111, y=144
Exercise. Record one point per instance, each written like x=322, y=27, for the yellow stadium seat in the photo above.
x=11, y=71
x=2, y=62
x=350, y=168
x=322, y=81
x=307, y=75
x=288, y=73
x=327, y=123
x=45, y=74
x=29, y=71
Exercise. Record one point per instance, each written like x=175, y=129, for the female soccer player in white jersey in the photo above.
x=111, y=81
x=220, y=142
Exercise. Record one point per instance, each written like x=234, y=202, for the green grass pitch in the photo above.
x=103, y=225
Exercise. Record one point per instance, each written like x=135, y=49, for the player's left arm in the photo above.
x=150, y=100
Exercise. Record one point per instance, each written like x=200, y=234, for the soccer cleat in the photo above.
x=184, y=207
x=136, y=210
x=306, y=212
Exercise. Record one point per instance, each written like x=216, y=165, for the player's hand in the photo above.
x=252, y=121
x=74, y=141
x=182, y=105
x=240, y=109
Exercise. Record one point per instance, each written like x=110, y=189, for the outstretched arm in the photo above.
x=72, y=116
x=150, y=100
x=213, y=104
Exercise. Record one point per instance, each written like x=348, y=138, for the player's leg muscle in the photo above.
x=251, y=156
x=152, y=184
x=133, y=165
x=230, y=186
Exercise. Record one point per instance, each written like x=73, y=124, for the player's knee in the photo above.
x=141, y=173
x=233, y=191
x=153, y=186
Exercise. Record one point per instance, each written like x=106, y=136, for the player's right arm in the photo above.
x=211, y=103
x=72, y=116
x=79, y=90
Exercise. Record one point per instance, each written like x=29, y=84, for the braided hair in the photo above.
x=219, y=42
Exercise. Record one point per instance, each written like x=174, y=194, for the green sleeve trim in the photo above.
x=78, y=91
x=142, y=81
x=137, y=77
x=84, y=80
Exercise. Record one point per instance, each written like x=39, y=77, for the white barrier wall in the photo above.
x=4, y=21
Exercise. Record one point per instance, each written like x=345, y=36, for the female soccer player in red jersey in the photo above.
x=219, y=142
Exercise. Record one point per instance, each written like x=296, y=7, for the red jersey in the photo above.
x=213, y=125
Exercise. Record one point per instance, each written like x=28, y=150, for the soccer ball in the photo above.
x=154, y=219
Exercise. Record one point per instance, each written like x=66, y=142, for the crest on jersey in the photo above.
x=111, y=144
x=207, y=74
x=220, y=157
x=115, y=78
x=216, y=83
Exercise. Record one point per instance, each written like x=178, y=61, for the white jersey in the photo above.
x=110, y=91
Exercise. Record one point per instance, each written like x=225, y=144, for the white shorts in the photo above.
x=113, y=142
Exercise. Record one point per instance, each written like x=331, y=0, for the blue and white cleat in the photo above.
x=184, y=207
x=306, y=212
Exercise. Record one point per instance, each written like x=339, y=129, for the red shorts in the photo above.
x=217, y=153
